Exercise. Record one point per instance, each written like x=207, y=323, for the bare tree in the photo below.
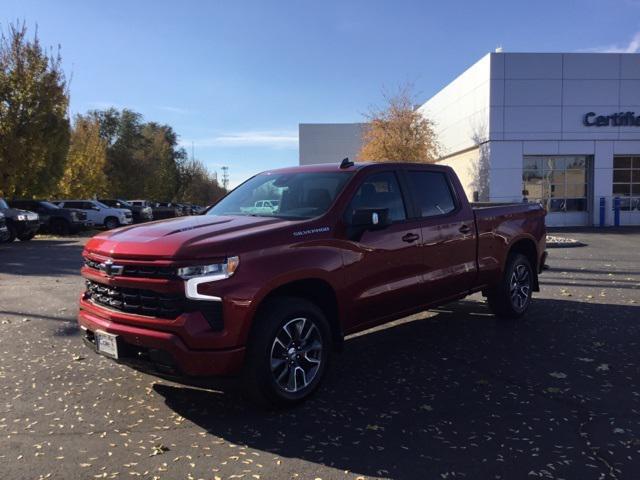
x=398, y=132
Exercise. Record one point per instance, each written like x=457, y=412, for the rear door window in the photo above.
x=431, y=192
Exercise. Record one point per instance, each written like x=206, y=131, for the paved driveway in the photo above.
x=451, y=393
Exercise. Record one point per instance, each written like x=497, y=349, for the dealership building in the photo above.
x=559, y=128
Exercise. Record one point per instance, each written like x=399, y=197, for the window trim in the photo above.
x=454, y=193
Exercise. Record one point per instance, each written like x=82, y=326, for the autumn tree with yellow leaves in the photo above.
x=84, y=173
x=398, y=132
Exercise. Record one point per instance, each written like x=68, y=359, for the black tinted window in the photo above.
x=73, y=205
x=432, y=193
x=380, y=190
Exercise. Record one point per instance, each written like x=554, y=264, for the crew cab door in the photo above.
x=383, y=267
x=92, y=214
x=448, y=232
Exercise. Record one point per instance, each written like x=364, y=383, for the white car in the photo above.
x=262, y=207
x=99, y=214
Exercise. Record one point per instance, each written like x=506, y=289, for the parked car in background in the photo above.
x=140, y=213
x=54, y=219
x=21, y=224
x=141, y=203
x=198, y=209
x=184, y=208
x=100, y=214
x=270, y=295
x=4, y=231
x=165, y=210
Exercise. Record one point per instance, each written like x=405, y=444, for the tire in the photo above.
x=111, y=222
x=511, y=298
x=60, y=227
x=13, y=234
x=27, y=237
x=277, y=372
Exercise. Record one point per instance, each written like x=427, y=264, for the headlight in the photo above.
x=22, y=218
x=218, y=270
x=74, y=216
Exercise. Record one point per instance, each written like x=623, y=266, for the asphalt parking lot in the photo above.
x=449, y=394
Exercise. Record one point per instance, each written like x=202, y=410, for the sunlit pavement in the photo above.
x=452, y=393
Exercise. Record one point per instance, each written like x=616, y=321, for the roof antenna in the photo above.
x=346, y=163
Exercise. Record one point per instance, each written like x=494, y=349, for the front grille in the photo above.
x=82, y=216
x=139, y=270
x=153, y=304
x=137, y=301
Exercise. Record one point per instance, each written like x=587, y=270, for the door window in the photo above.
x=380, y=190
x=431, y=192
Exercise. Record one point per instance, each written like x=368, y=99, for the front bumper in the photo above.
x=158, y=350
x=4, y=233
x=27, y=227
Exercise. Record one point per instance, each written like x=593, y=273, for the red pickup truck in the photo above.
x=270, y=279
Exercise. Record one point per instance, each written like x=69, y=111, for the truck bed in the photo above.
x=496, y=226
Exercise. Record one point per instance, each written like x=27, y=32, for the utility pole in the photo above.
x=225, y=177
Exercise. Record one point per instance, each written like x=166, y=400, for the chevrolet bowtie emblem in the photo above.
x=110, y=269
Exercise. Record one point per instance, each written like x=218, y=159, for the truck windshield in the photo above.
x=285, y=195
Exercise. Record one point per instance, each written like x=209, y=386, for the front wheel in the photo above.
x=111, y=222
x=512, y=296
x=288, y=352
x=13, y=233
x=27, y=236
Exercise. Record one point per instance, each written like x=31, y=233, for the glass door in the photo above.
x=561, y=185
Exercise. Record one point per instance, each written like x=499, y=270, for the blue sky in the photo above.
x=235, y=78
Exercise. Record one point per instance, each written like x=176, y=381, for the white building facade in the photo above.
x=559, y=128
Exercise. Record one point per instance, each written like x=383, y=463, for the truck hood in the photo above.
x=14, y=212
x=182, y=238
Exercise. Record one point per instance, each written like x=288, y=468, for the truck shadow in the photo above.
x=458, y=392
x=46, y=257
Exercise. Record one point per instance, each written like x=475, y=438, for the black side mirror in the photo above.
x=371, y=218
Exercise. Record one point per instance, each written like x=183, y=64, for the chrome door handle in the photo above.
x=465, y=229
x=410, y=237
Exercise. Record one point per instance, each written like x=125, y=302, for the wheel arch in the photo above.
x=527, y=247
x=316, y=290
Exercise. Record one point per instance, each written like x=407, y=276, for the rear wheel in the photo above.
x=288, y=352
x=111, y=223
x=512, y=296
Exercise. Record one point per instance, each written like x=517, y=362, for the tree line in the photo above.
x=113, y=153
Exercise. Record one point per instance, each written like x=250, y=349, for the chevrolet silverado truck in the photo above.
x=98, y=213
x=270, y=296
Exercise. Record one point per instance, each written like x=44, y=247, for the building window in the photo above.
x=626, y=181
x=559, y=183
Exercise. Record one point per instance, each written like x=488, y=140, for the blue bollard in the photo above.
x=616, y=211
x=602, y=211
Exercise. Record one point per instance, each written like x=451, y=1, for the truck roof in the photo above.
x=335, y=167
